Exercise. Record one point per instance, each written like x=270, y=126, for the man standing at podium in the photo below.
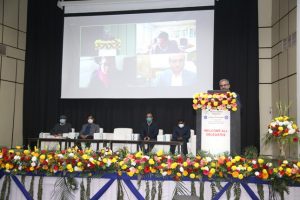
x=225, y=85
x=149, y=131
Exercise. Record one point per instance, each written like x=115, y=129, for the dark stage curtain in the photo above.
x=235, y=58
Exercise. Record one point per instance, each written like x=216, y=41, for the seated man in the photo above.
x=88, y=130
x=61, y=127
x=149, y=131
x=181, y=133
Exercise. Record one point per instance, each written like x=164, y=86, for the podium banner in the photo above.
x=215, y=131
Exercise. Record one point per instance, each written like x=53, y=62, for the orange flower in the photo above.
x=235, y=174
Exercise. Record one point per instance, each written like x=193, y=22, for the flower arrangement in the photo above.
x=88, y=162
x=217, y=101
x=108, y=44
x=282, y=130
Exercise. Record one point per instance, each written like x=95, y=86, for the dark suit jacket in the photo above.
x=150, y=131
x=59, y=129
x=165, y=79
x=184, y=132
x=94, y=129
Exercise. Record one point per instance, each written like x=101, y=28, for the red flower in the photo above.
x=147, y=169
x=295, y=139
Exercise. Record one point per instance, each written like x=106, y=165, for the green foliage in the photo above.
x=64, y=188
x=213, y=190
x=40, y=188
x=180, y=189
x=277, y=189
x=228, y=191
x=260, y=191
x=160, y=183
x=31, y=186
x=201, y=190
x=153, y=190
x=237, y=191
x=251, y=152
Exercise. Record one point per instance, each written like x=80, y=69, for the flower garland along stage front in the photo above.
x=125, y=166
x=216, y=101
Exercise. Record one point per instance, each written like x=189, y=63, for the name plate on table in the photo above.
x=215, y=130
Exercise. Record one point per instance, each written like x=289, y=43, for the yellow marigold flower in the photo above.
x=114, y=160
x=42, y=157
x=79, y=164
x=234, y=109
x=265, y=175
x=233, y=101
x=26, y=152
x=280, y=128
x=224, y=102
x=212, y=170
x=11, y=151
x=69, y=166
x=169, y=172
x=241, y=176
x=31, y=168
x=85, y=157
x=233, y=168
x=124, y=167
x=216, y=103
x=195, y=101
x=294, y=126
x=139, y=154
x=249, y=169
x=185, y=173
x=153, y=170
x=202, y=102
x=178, y=174
x=195, y=96
x=235, y=174
x=121, y=163
x=160, y=153
x=196, y=165
x=298, y=164
x=237, y=158
x=7, y=166
x=260, y=161
x=192, y=175
x=288, y=170
x=104, y=160
x=185, y=164
x=151, y=161
x=140, y=167
x=280, y=168
x=130, y=173
x=228, y=164
x=163, y=165
x=275, y=170
x=213, y=164
x=18, y=147
x=173, y=165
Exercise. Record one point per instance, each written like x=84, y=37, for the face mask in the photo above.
x=90, y=121
x=181, y=125
x=149, y=119
x=62, y=121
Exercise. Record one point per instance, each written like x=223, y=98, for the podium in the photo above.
x=218, y=130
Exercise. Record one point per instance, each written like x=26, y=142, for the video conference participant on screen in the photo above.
x=176, y=75
x=61, y=127
x=164, y=45
x=149, y=131
x=106, y=74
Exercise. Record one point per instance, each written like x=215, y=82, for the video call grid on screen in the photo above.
x=148, y=55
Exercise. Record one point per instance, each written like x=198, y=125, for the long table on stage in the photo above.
x=68, y=142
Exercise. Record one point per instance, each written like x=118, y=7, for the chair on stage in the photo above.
x=122, y=134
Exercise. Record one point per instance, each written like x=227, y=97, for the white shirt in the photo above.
x=176, y=80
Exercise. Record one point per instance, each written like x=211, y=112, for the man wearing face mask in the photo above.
x=61, y=127
x=149, y=131
x=88, y=130
x=181, y=133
